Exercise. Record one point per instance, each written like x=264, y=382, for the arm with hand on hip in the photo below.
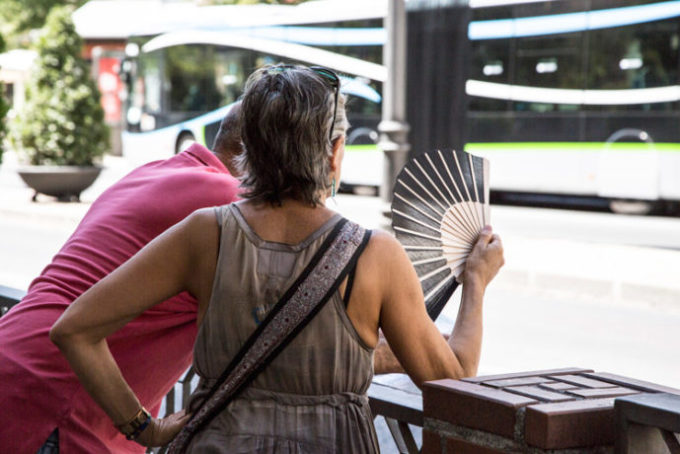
x=169, y=265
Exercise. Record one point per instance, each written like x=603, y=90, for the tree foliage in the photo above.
x=4, y=107
x=22, y=15
x=63, y=121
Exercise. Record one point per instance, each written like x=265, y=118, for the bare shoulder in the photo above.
x=387, y=259
x=198, y=223
x=383, y=243
x=384, y=248
x=202, y=237
x=197, y=232
x=202, y=217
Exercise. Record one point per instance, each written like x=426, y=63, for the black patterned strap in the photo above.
x=301, y=302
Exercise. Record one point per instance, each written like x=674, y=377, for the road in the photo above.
x=579, y=289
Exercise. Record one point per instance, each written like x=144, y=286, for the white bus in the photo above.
x=183, y=81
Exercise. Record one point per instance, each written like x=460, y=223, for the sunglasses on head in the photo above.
x=329, y=76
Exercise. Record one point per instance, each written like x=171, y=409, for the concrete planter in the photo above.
x=63, y=182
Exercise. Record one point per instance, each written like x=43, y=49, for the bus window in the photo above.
x=634, y=57
x=490, y=63
x=231, y=71
x=553, y=61
x=191, y=73
x=148, y=85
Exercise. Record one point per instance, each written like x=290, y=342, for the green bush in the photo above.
x=63, y=121
x=4, y=108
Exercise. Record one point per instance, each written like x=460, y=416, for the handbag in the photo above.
x=297, y=307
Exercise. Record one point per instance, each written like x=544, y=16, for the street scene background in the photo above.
x=586, y=114
x=593, y=290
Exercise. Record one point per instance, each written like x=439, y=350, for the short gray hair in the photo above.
x=286, y=115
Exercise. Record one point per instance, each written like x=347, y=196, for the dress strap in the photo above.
x=350, y=283
x=350, y=279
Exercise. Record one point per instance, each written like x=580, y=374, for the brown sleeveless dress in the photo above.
x=312, y=397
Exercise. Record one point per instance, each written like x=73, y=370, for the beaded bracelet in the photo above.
x=136, y=425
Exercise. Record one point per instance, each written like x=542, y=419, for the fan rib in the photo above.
x=454, y=261
x=467, y=192
x=436, y=288
x=412, y=219
x=413, y=232
x=480, y=213
x=455, y=264
x=434, y=272
x=460, y=172
x=459, y=213
x=451, y=230
x=423, y=248
x=448, y=171
x=432, y=183
x=453, y=198
x=485, y=173
x=449, y=248
x=452, y=239
x=462, y=227
x=471, y=235
x=407, y=202
x=426, y=261
x=474, y=180
x=419, y=197
x=408, y=171
x=453, y=181
x=454, y=258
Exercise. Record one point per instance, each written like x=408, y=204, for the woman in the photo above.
x=239, y=259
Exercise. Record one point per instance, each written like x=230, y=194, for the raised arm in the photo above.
x=416, y=342
x=167, y=266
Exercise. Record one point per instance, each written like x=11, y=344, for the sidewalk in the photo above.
x=614, y=273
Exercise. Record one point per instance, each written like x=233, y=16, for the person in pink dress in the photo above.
x=39, y=391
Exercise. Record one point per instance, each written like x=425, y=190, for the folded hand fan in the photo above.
x=440, y=203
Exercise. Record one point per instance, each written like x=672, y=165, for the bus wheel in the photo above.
x=185, y=140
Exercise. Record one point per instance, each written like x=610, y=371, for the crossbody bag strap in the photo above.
x=296, y=308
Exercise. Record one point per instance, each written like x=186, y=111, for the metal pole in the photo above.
x=393, y=127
